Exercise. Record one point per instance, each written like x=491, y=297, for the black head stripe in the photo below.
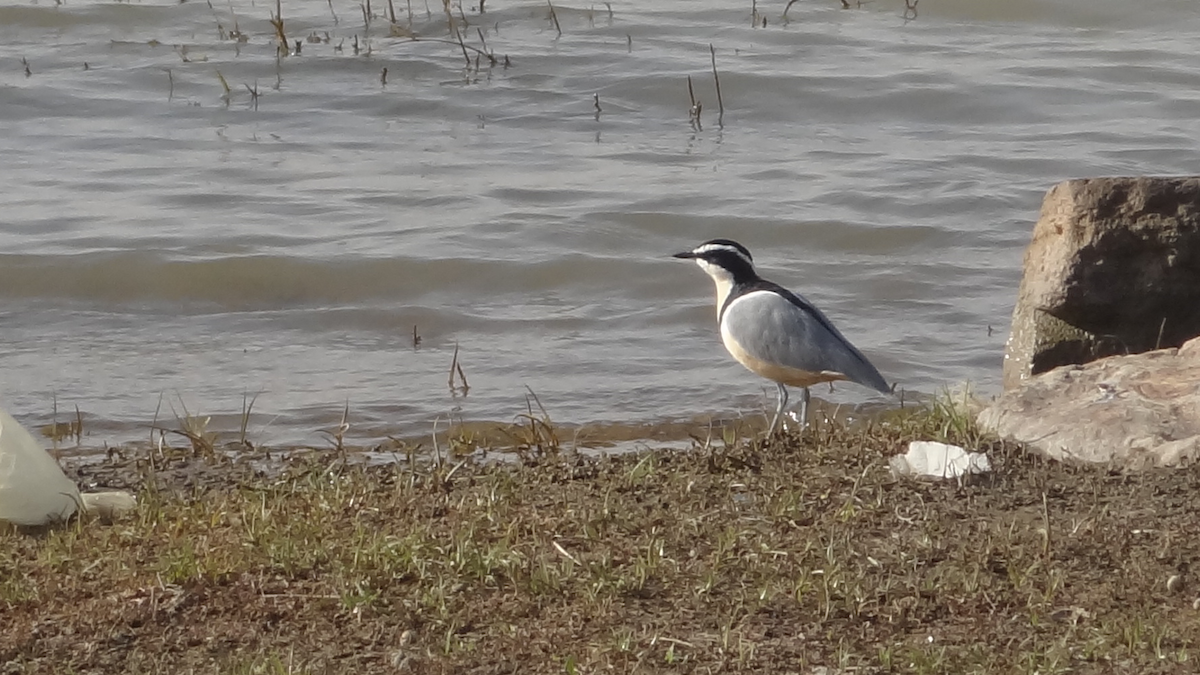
x=728, y=255
x=727, y=244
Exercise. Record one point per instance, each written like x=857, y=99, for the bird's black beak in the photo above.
x=686, y=255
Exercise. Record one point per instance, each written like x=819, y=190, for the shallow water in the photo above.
x=161, y=239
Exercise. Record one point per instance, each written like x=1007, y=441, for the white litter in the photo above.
x=33, y=488
x=929, y=459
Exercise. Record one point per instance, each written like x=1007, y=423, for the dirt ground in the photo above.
x=800, y=556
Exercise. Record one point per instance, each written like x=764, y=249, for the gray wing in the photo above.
x=787, y=330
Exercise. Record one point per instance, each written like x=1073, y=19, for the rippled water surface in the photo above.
x=161, y=236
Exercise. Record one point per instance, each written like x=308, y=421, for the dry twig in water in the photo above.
x=225, y=86
x=456, y=367
x=792, y=2
x=253, y=93
x=277, y=22
x=554, y=18
x=717, y=81
x=483, y=42
x=492, y=59
x=462, y=44
x=694, y=112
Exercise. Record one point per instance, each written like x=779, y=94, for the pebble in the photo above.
x=1175, y=583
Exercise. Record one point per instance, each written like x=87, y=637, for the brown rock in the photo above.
x=1135, y=411
x=1113, y=268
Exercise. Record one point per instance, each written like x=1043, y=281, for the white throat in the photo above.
x=721, y=277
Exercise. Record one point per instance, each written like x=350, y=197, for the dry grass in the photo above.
x=736, y=557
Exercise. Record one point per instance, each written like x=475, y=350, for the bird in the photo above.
x=776, y=333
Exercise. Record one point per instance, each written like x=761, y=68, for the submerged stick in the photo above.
x=483, y=41
x=277, y=22
x=694, y=113
x=456, y=367
x=792, y=2
x=462, y=44
x=554, y=17
x=253, y=93
x=462, y=376
x=717, y=80
x=225, y=86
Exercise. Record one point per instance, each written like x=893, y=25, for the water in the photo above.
x=161, y=240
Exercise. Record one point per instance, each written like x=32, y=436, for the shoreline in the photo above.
x=79, y=440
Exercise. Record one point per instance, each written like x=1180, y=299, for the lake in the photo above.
x=193, y=215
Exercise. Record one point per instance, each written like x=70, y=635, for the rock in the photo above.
x=1175, y=583
x=1113, y=267
x=33, y=488
x=1135, y=412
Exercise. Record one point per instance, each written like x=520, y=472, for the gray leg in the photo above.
x=783, y=399
x=804, y=396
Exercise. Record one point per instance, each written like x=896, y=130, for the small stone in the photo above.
x=1196, y=604
x=1175, y=583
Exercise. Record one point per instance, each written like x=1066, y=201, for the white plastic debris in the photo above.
x=108, y=506
x=929, y=459
x=33, y=488
x=35, y=491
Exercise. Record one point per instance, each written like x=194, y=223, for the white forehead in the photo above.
x=709, y=248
